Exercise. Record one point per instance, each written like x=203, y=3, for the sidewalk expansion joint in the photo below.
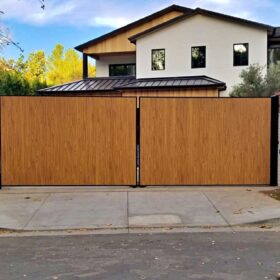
x=36, y=211
x=218, y=210
x=127, y=210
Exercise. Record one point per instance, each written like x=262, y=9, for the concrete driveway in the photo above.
x=122, y=208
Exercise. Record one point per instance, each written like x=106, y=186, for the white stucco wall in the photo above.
x=102, y=64
x=217, y=35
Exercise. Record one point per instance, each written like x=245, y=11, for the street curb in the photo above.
x=273, y=221
x=268, y=222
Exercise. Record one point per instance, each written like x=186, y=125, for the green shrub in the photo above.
x=255, y=84
x=13, y=83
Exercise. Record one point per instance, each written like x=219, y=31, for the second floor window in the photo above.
x=158, y=59
x=199, y=57
x=122, y=70
x=241, y=54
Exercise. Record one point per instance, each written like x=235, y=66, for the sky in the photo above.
x=72, y=22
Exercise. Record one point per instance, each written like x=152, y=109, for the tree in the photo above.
x=13, y=83
x=25, y=77
x=18, y=65
x=72, y=65
x=55, y=66
x=63, y=67
x=273, y=79
x=255, y=84
x=36, y=66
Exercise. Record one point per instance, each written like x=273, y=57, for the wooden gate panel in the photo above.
x=68, y=141
x=205, y=141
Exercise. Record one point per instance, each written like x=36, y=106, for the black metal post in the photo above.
x=274, y=141
x=85, y=66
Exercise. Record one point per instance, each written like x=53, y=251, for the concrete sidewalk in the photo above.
x=127, y=208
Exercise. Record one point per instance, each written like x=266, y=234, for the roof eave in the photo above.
x=171, y=8
x=200, y=11
x=76, y=91
x=237, y=19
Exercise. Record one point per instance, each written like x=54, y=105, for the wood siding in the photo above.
x=205, y=141
x=172, y=93
x=212, y=92
x=120, y=43
x=68, y=141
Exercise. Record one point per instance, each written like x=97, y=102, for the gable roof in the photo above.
x=199, y=11
x=135, y=24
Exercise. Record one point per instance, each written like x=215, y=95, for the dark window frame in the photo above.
x=247, y=55
x=192, y=63
x=120, y=64
x=162, y=49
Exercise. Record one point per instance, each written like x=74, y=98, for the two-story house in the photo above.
x=177, y=51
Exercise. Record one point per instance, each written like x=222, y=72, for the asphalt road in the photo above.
x=219, y=256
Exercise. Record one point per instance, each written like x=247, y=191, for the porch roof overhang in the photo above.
x=174, y=82
x=114, y=84
x=90, y=85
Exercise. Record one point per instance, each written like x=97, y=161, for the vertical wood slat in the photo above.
x=120, y=43
x=195, y=92
x=68, y=141
x=205, y=141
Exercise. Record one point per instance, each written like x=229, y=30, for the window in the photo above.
x=273, y=55
x=158, y=59
x=241, y=54
x=199, y=57
x=122, y=70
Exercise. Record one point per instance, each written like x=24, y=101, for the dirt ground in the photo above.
x=273, y=194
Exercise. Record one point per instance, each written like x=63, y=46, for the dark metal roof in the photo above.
x=201, y=12
x=91, y=84
x=135, y=24
x=174, y=82
x=124, y=83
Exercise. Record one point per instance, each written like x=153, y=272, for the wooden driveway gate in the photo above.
x=208, y=141
x=183, y=141
x=68, y=141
